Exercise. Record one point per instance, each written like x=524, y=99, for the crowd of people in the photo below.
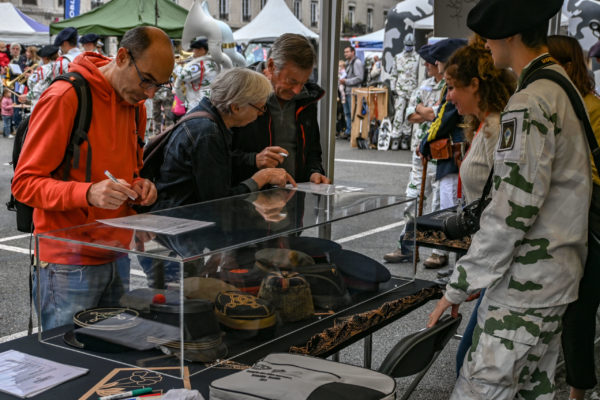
x=482, y=126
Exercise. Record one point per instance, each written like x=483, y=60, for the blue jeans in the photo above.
x=467, y=339
x=7, y=121
x=67, y=289
x=348, y=113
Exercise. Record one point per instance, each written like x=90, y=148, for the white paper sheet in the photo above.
x=324, y=189
x=156, y=223
x=26, y=376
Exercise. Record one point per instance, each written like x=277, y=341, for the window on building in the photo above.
x=314, y=13
x=224, y=9
x=298, y=9
x=262, y=3
x=246, y=10
x=351, y=11
x=370, y=19
x=30, y=2
x=385, y=14
x=61, y=3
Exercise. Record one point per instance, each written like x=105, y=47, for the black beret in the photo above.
x=595, y=50
x=65, y=35
x=425, y=53
x=48, y=51
x=441, y=51
x=200, y=43
x=89, y=38
x=499, y=19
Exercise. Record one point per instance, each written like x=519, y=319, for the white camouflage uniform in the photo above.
x=530, y=250
x=39, y=81
x=407, y=64
x=428, y=94
x=61, y=65
x=193, y=82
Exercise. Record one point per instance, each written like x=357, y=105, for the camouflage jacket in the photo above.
x=407, y=64
x=428, y=94
x=39, y=81
x=193, y=82
x=531, y=247
x=61, y=65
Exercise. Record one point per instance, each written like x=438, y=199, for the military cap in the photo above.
x=425, y=53
x=441, y=51
x=360, y=272
x=499, y=19
x=48, y=51
x=595, y=50
x=89, y=38
x=200, y=43
x=65, y=35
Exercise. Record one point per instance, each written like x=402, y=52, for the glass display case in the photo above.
x=190, y=288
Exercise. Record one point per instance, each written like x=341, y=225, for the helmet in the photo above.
x=409, y=39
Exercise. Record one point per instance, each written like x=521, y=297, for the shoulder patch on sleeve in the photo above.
x=510, y=140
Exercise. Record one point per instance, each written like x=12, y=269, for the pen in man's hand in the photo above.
x=112, y=178
x=282, y=154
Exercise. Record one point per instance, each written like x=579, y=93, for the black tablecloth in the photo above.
x=99, y=368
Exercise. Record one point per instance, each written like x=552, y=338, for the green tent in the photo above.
x=116, y=17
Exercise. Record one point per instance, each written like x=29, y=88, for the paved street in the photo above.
x=380, y=172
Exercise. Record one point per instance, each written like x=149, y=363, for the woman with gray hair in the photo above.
x=197, y=164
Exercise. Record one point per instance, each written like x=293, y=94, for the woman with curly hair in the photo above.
x=579, y=321
x=479, y=92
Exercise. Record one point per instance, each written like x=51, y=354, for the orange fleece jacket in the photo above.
x=112, y=136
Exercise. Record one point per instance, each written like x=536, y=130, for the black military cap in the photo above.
x=359, y=271
x=595, y=50
x=499, y=19
x=425, y=53
x=441, y=51
x=48, y=51
x=64, y=35
x=89, y=38
x=200, y=43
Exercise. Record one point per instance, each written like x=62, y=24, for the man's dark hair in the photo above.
x=352, y=49
x=536, y=37
x=72, y=40
x=136, y=40
x=294, y=48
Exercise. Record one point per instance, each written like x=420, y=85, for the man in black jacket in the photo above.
x=287, y=134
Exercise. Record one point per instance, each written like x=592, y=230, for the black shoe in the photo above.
x=445, y=273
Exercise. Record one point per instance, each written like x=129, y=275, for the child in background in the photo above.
x=7, y=112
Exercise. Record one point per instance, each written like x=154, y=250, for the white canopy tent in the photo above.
x=274, y=20
x=18, y=27
x=376, y=36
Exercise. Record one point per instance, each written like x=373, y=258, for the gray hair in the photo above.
x=294, y=48
x=239, y=86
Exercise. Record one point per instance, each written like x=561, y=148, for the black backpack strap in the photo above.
x=81, y=125
x=578, y=106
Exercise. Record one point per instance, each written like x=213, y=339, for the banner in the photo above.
x=71, y=8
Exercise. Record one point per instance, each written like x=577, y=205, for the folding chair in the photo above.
x=416, y=352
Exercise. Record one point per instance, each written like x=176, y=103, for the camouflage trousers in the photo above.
x=513, y=355
x=400, y=125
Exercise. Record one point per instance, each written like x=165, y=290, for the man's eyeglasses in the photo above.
x=145, y=83
x=262, y=109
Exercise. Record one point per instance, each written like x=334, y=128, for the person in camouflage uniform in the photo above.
x=41, y=78
x=161, y=107
x=193, y=83
x=422, y=108
x=530, y=250
x=407, y=64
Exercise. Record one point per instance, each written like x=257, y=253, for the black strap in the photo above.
x=81, y=125
x=576, y=102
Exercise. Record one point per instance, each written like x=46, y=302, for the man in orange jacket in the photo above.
x=74, y=278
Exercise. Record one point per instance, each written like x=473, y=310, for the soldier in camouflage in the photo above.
x=421, y=110
x=41, y=78
x=407, y=64
x=193, y=83
x=530, y=250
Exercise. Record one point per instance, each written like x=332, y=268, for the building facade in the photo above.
x=358, y=16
